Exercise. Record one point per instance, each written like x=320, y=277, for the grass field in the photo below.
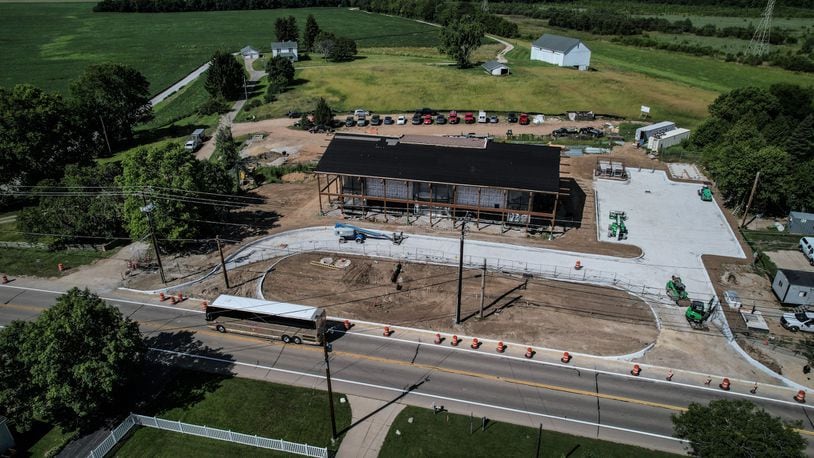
x=448, y=435
x=790, y=23
x=237, y=404
x=43, y=263
x=49, y=44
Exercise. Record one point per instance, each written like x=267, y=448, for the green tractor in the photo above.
x=617, y=228
x=705, y=193
x=698, y=312
x=677, y=291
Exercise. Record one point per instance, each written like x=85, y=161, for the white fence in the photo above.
x=203, y=431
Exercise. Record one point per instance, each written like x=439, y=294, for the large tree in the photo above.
x=282, y=67
x=735, y=429
x=82, y=355
x=112, y=99
x=285, y=28
x=172, y=179
x=310, y=34
x=334, y=48
x=39, y=135
x=460, y=38
x=323, y=115
x=225, y=77
x=16, y=393
x=90, y=213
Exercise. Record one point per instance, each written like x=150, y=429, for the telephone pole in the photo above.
x=326, y=349
x=749, y=202
x=222, y=263
x=148, y=210
x=460, y=273
x=482, y=288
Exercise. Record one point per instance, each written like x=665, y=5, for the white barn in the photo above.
x=495, y=68
x=562, y=51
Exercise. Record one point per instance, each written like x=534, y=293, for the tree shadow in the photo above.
x=298, y=82
x=159, y=133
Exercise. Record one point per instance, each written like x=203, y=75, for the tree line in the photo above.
x=766, y=130
x=177, y=6
x=729, y=3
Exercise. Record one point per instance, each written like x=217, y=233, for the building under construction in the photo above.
x=442, y=177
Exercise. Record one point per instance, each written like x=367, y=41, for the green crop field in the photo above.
x=49, y=44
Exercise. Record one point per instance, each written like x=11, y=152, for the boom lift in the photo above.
x=347, y=232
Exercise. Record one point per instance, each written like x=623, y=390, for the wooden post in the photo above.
x=482, y=288
x=319, y=189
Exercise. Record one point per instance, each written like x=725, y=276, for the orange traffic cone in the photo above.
x=346, y=323
x=5, y=279
x=578, y=265
x=161, y=297
x=180, y=297
x=636, y=370
x=60, y=267
x=724, y=384
x=669, y=376
x=500, y=347
x=529, y=352
x=387, y=331
x=204, y=304
x=437, y=339
x=800, y=397
x=454, y=341
x=565, y=357
x=475, y=344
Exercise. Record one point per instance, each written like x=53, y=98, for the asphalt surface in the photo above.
x=600, y=405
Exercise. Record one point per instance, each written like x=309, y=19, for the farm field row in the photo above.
x=49, y=44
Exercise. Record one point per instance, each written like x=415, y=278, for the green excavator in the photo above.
x=617, y=228
x=677, y=291
x=698, y=312
x=705, y=193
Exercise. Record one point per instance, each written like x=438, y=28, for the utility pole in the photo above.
x=222, y=263
x=245, y=90
x=104, y=131
x=325, y=348
x=539, y=440
x=482, y=288
x=148, y=209
x=460, y=273
x=749, y=202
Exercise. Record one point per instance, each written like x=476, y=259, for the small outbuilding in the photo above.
x=249, y=53
x=495, y=68
x=562, y=51
x=801, y=223
x=670, y=138
x=644, y=133
x=794, y=287
x=287, y=49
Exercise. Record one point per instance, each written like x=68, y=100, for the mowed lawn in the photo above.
x=49, y=44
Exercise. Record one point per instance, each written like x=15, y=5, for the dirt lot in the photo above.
x=790, y=259
x=547, y=313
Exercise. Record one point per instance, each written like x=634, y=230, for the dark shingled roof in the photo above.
x=799, y=277
x=556, y=43
x=499, y=165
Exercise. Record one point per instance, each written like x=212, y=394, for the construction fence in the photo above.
x=133, y=420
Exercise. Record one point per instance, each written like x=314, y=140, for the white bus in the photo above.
x=272, y=320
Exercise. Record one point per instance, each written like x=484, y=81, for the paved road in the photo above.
x=562, y=398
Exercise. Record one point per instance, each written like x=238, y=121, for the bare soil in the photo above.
x=543, y=312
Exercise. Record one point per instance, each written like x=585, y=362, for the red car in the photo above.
x=524, y=119
x=427, y=119
x=453, y=117
x=469, y=118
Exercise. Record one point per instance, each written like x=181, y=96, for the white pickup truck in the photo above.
x=807, y=247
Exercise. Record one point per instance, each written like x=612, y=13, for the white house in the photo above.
x=495, y=68
x=249, y=53
x=562, y=51
x=285, y=48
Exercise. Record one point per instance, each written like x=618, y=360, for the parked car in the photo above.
x=511, y=117
x=807, y=247
x=359, y=112
x=482, y=118
x=350, y=122
x=427, y=111
x=590, y=132
x=732, y=299
x=402, y=120
x=803, y=321
x=388, y=120
x=469, y=118
x=375, y=120
x=417, y=119
x=453, y=117
x=440, y=119
x=361, y=121
x=294, y=114
x=524, y=119
x=493, y=119
x=427, y=119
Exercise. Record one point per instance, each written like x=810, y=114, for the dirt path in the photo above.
x=501, y=55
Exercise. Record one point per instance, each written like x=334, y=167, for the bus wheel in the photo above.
x=220, y=328
x=286, y=339
x=297, y=340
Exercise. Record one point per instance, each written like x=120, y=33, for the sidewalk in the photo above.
x=371, y=420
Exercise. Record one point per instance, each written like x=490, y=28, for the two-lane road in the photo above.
x=580, y=401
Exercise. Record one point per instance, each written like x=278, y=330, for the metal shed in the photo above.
x=495, y=68
x=794, y=287
x=645, y=132
x=801, y=223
